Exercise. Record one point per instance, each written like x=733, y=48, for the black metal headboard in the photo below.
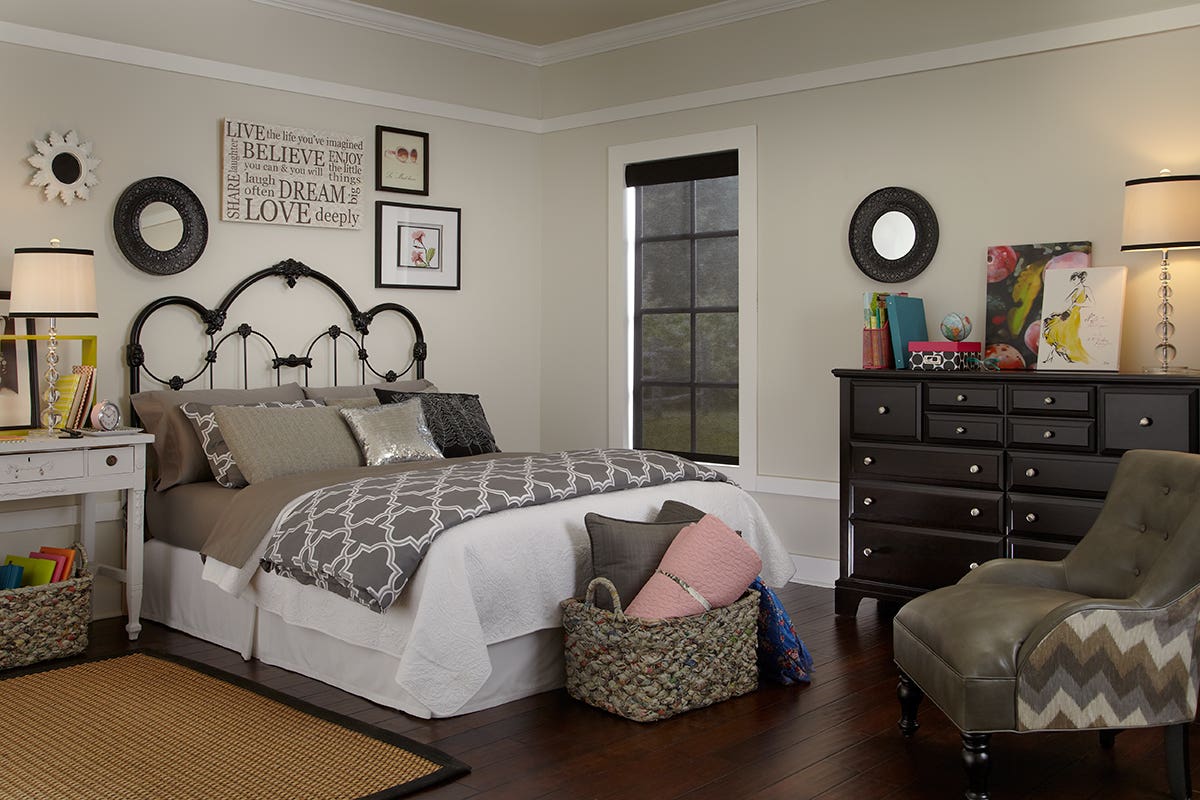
x=213, y=319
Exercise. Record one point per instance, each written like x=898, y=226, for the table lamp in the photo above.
x=1162, y=213
x=52, y=282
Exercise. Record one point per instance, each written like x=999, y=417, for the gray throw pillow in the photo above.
x=271, y=442
x=212, y=441
x=457, y=421
x=627, y=552
x=675, y=511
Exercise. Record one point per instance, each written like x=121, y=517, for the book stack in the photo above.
x=47, y=565
x=75, y=395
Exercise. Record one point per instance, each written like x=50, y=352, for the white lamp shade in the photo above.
x=53, y=282
x=1162, y=213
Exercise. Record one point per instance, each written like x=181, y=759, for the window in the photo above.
x=685, y=381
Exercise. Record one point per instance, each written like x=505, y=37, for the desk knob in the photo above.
x=960, y=429
x=1031, y=473
x=974, y=469
x=1047, y=434
x=1031, y=517
x=882, y=410
x=867, y=552
x=974, y=512
x=111, y=461
x=868, y=461
x=1048, y=400
x=973, y=565
x=962, y=398
x=1145, y=422
x=867, y=501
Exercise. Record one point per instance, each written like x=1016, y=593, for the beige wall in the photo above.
x=1021, y=150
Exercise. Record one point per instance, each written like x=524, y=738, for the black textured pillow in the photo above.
x=457, y=421
x=220, y=460
x=627, y=552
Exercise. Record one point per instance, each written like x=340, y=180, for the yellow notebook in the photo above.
x=67, y=386
x=38, y=571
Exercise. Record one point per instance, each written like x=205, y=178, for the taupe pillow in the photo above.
x=627, y=552
x=222, y=463
x=329, y=393
x=351, y=402
x=392, y=433
x=272, y=442
x=180, y=459
x=675, y=511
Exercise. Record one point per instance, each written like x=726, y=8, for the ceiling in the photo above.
x=539, y=22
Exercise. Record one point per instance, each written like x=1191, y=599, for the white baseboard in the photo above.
x=813, y=571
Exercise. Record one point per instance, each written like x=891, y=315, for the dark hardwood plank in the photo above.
x=835, y=738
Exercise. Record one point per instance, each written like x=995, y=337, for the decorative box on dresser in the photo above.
x=941, y=471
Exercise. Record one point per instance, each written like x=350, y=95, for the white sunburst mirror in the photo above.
x=65, y=167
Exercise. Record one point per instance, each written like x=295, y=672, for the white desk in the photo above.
x=49, y=467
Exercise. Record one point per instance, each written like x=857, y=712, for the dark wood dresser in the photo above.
x=941, y=471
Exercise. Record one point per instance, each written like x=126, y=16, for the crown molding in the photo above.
x=380, y=19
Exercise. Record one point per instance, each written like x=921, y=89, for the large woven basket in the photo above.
x=48, y=621
x=651, y=669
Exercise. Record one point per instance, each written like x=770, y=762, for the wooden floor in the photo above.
x=833, y=739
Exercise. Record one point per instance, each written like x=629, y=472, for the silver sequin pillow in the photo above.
x=220, y=460
x=392, y=433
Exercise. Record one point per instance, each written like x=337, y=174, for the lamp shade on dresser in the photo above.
x=941, y=471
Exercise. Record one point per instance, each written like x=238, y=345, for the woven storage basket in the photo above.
x=651, y=669
x=49, y=621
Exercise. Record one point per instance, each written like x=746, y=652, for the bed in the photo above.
x=476, y=625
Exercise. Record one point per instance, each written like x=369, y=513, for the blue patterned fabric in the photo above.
x=782, y=657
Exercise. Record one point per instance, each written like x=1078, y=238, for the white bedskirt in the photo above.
x=477, y=626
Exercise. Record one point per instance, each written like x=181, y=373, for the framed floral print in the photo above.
x=18, y=371
x=417, y=247
x=401, y=160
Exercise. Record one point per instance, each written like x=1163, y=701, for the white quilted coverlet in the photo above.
x=488, y=580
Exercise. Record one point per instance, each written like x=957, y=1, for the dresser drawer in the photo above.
x=1061, y=517
x=928, y=506
x=1051, y=433
x=922, y=559
x=886, y=410
x=31, y=467
x=1051, y=399
x=965, y=396
x=1041, y=551
x=1148, y=419
x=982, y=429
x=928, y=464
x=1039, y=471
x=110, y=461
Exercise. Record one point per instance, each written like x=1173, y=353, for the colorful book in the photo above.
x=38, y=571
x=60, y=562
x=67, y=386
x=82, y=404
x=66, y=552
x=906, y=316
x=10, y=576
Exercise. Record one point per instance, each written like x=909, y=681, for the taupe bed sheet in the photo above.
x=184, y=516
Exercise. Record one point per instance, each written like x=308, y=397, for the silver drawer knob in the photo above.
x=962, y=398
x=882, y=409
x=960, y=429
x=1031, y=473
x=1031, y=517
x=1145, y=422
x=974, y=512
x=868, y=500
x=867, y=552
x=974, y=469
x=973, y=565
x=1048, y=400
x=1047, y=434
x=868, y=461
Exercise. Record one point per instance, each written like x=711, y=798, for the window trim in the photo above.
x=620, y=285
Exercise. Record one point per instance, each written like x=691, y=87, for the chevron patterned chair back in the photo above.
x=1105, y=639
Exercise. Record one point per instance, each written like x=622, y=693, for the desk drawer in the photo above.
x=110, y=461
x=1038, y=472
x=1150, y=420
x=927, y=506
x=968, y=396
x=33, y=467
x=928, y=464
x=983, y=429
x=886, y=410
x=923, y=559
x=1055, y=434
x=1050, y=400
x=1059, y=517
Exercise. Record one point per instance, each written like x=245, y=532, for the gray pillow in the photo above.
x=627, y=552
x=271, y=442
x=392, y=434
x=675, y=511
x=457, y=421
x=328, y=393
x=179, y=458
x=212, y=441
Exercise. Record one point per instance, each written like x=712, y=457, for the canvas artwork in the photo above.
x=1081, y=319
x=18, y=372
x=1015, y=287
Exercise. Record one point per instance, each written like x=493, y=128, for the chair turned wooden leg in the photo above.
x=1179, y=771
x=978, y=763
x=1108, y=738
x=910, y=697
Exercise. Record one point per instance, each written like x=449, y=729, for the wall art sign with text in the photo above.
x=290, y=176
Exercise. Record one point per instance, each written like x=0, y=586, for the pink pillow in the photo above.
x=707, y=556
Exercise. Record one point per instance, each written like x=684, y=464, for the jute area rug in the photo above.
x=149, y=727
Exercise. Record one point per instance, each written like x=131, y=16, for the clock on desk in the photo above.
x=105, y=416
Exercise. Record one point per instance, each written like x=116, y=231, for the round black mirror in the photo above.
x=893, y=234
x=160, y=226
x=66, y=168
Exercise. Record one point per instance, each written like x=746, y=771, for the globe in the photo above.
x=956, y=327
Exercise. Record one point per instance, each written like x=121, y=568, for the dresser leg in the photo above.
x=845, y=602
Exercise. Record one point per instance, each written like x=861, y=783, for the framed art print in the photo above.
x=18, y=372
x=417, y=247
x=401, y=160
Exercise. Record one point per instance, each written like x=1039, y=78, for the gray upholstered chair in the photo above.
x=1105, y=639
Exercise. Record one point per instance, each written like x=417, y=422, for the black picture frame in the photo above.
x=405, y=233
x=17, y=414
x=127, y=225
x=408, y=174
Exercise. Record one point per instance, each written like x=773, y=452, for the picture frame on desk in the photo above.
x=18, y=371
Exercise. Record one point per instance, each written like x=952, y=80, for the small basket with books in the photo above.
x=41, y=617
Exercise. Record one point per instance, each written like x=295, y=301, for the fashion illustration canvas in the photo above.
x=1081, y=319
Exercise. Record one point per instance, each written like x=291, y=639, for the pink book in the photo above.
x=60, y=564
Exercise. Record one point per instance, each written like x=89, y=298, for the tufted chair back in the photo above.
x=1145, y=545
